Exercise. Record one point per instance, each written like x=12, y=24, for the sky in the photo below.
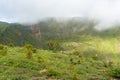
x=105, y=11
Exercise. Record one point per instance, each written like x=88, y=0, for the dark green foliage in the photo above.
x=115, y=72
x=3, y=50
x=39, y=59
x=71, y=59
x=1, y=47
x=29, y=54
x=52, y=72
x=74, y=77
x=19, y=78
x=3, y=26
x=53, y=45
x=76, y=53
x=11, y=45
x=29, y=48
x=34, y=50
x=18, y=35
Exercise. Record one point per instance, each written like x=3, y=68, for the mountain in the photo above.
x=3, y=26
x=38, y=34
x=51, y=29
x=17, y=34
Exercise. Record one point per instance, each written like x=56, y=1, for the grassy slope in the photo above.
x=88, y=58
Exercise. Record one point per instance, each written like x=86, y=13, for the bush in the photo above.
x=53, y=45
x=1, y=47
x=34, y=50
x=29, y=54
x=29, y=50
x=76, y=52
x=3, y=50
x=52, y=72
x=74, y=77
x=28, y=46
x=11, y=44
x=115, y=72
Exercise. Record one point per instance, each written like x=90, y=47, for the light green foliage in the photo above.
x=87, y=54
x=89, y=58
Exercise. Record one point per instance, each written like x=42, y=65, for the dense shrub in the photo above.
x=29, y=48
x=11, y=45
x=3, y=50
x=29, y=54
x=1, y=47
x=34, y=50
x=53, y=45
x=52, y=72
x=115, y=72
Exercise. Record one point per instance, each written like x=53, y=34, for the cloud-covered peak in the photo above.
x=106, y=11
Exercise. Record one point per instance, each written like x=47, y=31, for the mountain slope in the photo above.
x=17, y=34
x=51, y=29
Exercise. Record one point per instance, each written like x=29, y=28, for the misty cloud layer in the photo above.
x=106, y=11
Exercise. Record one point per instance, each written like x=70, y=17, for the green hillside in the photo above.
x=3, y=26
x=16, y=34
x=90, y=58
x=59, y=50
x=51, y=29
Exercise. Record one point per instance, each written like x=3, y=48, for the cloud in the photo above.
x=106, y=11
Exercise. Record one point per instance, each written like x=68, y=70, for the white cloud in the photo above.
x=107, y=11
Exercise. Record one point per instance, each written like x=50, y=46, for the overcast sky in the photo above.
x=107, y=11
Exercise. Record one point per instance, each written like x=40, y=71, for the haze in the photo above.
x=22, y=11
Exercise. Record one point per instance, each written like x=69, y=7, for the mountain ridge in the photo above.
x=51, y=29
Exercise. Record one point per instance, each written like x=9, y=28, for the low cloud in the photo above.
x=105, y=11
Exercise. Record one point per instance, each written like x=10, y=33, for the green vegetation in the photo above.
x=115, y=72
x=56, y=50
x=3, y=50
x=17, y=34
x=53, y=45
x=93, y=58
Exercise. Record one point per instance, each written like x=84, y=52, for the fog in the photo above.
x=107, y=12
